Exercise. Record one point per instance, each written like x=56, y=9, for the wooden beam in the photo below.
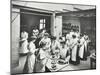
x=78, y=13
x=58, y=11
x=32, y=8
x=30, y=13
x=77, y=8
x=66, y=10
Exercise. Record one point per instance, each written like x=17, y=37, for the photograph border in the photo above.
x=48, y=3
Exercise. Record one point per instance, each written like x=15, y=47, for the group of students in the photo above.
x=78, y=45
x=41, y=45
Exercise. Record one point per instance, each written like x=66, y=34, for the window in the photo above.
x=42, y=23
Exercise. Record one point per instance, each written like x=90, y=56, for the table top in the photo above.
x=93, y=56
x=58, y=66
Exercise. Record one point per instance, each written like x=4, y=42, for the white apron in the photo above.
x=74, y=53
x=31, y=63
x=41, y=61
x=31, y=58
x=81, y=51
x=55, y=46
x=23, y=48
x=47, y=42
x=74, y=50
x=63, y=52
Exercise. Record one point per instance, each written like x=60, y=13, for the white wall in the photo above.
x=58, y=26
x=15, y=31
x=53, y=25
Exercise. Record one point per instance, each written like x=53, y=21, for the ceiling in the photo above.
x=56, y=7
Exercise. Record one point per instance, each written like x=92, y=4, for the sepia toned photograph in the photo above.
x=52, y=37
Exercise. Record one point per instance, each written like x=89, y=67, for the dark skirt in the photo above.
x=85, y=54
x=77, y=58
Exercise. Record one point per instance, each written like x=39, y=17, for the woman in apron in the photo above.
x=23, y=50
x=45, y=42
x=74, y=50
x=41, y=60
x=55, y=46
x=64, y=53
x=30, y=62
x=83, y=48
x=44, y=51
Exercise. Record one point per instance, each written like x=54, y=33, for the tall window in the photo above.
x=42, y=23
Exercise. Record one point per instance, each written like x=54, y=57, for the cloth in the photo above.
x=68, y=36
x=32, y=47
x=31, y=57
x=71, y=33
x=31, y=63
x=64, y=52
x=74, y=49
x=23, y=47
x=77, y=34
x=37, y=42
x=55, y=46
x=41, y=61
x=46, y=43
x=83, y=48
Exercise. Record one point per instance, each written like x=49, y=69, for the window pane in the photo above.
x=44, y=20
x=41, y=20
x=44, y=26
x=41, y=26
